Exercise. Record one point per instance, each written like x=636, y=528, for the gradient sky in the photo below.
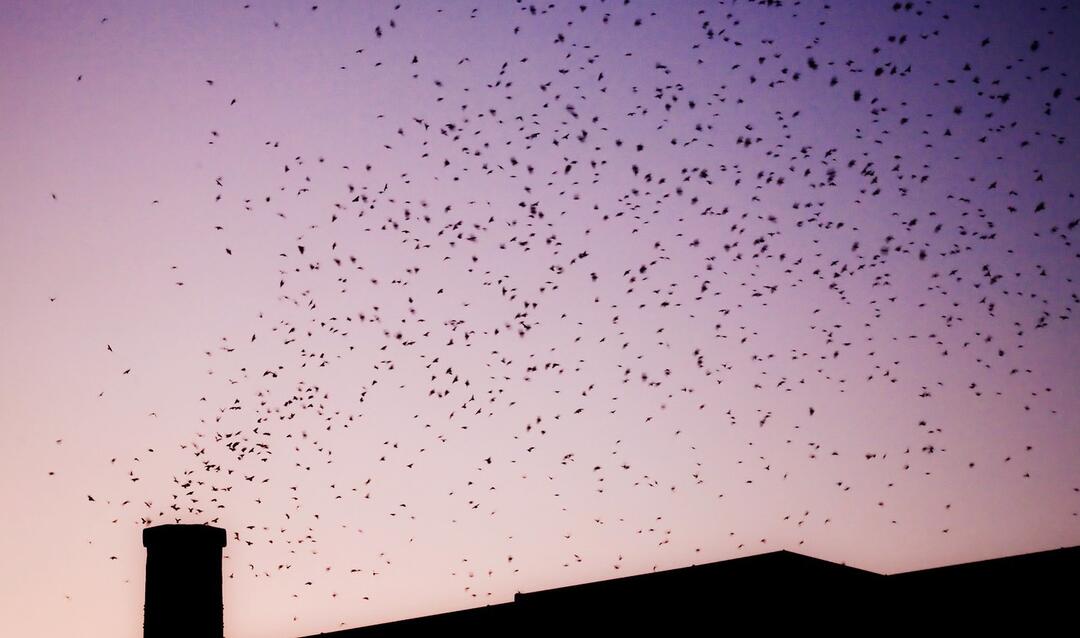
x=433, y=303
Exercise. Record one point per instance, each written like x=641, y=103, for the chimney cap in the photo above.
x=184, y=535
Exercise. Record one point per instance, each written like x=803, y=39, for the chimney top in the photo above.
x=183, y=536
x=183, y=581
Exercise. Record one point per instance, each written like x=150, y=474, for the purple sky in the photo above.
x=433, y=304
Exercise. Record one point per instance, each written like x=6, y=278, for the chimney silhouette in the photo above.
x=183, y=581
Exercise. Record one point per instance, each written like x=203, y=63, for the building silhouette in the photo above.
x=183, y=581
x=777, y=591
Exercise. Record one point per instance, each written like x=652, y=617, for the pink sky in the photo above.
x=638, y=419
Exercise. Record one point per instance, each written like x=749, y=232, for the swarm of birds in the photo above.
x=621, y=279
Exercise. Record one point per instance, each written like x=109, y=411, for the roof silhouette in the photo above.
x=774, y=591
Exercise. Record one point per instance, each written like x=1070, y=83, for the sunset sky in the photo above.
x=429, y=303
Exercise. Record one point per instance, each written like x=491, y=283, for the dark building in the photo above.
x=183, y=581
x=778, y=591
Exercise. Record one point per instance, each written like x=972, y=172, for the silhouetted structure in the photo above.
x=780, y=592
x=768, y=592
x=183, y=581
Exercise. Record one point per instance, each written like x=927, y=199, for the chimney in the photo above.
x=183, y=581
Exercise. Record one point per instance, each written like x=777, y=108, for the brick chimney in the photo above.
x=183, y=581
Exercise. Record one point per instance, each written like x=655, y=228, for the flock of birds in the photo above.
x=600, y=282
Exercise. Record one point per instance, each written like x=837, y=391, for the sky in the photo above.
x=429, y=303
